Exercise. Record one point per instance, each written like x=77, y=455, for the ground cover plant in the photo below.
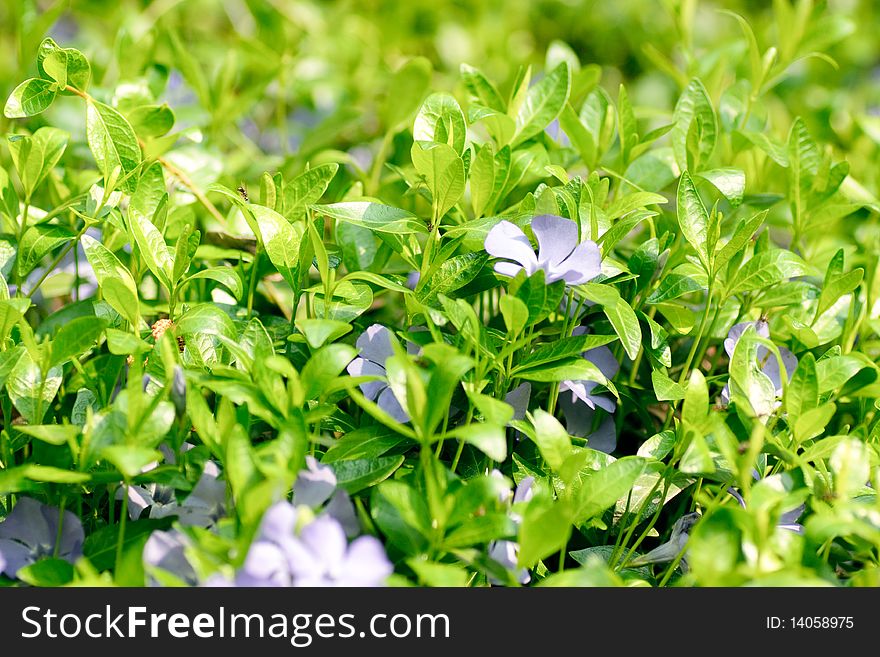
x=432, y=293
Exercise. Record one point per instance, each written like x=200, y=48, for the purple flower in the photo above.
x=30, y=533
x=203, y=507
x=767, y=361
x=166, y=550
x=580, y=405
x=323, y=557
x=504, y=552
x=374, y=346
x=319, y=555
x=557, y=134
x=519, y=399
x=560, y=256
x=315, y=484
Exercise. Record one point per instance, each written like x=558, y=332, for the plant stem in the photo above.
x=698, y=338
x=123, y=517
x=253, y=282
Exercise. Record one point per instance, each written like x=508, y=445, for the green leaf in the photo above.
x=482, y=180
x=488, y=438
x=571, y=369
x=673, y=286
x=730, y=182
x=152, y=247
x=741, y=236
x=281, y=240
x=406, y=89
x=324, y=366
x=837, y=284
x=481, y=89
x=695, y=410
x=65, y=65
x=546, y=527
x=350, y=299
x=443, y=170
x=515, y=314
x=765, y=269
x=812, y=422
x=35, y=156
x=552, y=439
x=563, y=348
x=29, y=98
x=543, y=103
x=802, y=392
x=619, y=313
x=75, y=337
x=53, y=434
x=355, y=475
x=37, y=242
x=100, y=545
x=694, y=115
x=375, y=216
x=226, y=276
x=441, y=120
x=693, y=219
x=307, y=189
x=401, y=512
x=206, y=319
x=320, y=331
x=665, y=388
x=627, y=128
x=601, y=488
x=114, y=278
x=47, y=572
x=152, y=121
x=130, y=460
x=451, y=275
x=113, y=142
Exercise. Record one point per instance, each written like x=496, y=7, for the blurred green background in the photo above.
x=271, y=82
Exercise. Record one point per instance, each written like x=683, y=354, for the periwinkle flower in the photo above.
x=319, y=555
x=374, y=347
x=579, y=403
x=31, y=533
x=316, y=485
x=505, y=552
x=560, y=255
x=323, y=557
x=519, y=398
x=767, y=361
x=166, y=550
x=205, y=504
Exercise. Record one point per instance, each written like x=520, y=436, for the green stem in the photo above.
x=253, y=282
x=379, y=162
x=123, y=517
x=698, y=338
x=60, y=526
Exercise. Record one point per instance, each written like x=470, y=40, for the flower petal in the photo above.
x=519, y=399
x=604, y=438
x=584, y=264
x=507, y=269
x=364, y=367
x=771, y=367
x=388, y=403
x=506, y=240
x=366, y=564
x=375, y=344
x=602, y=358
x=315, y=484
x=557, y=237
x=13, y=556
x=325, y=538
x=736, y=331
